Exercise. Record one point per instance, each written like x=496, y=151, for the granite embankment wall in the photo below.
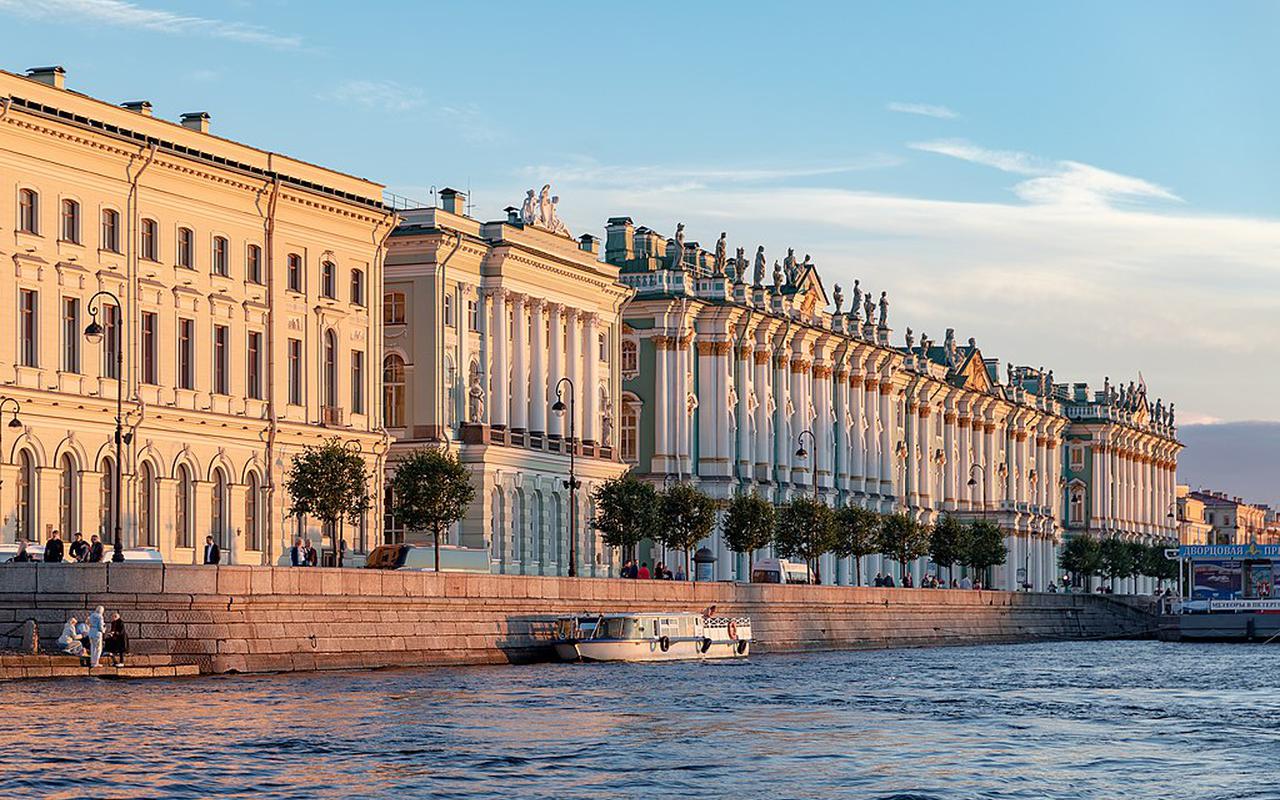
x=257, y=619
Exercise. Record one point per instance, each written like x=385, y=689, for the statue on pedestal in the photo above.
x=838, y=298
x=475, y=395
x=911, y=341
x=884, y=309
x=717, y=267
x=789, y=265
x=675, y=248
x=740, y=267
x=869, y=305
x=777, y=275
x=856, y=305
x=758, y=280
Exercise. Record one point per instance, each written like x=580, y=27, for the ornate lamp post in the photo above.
x=559, y=408
x=974, y=482
x=13, y=423
x=802, y=453
x=95, y=334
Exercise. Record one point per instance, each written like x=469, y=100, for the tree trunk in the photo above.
x=435, y=536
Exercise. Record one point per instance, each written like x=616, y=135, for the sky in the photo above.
x=1086, y=186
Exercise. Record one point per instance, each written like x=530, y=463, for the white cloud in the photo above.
x=924, y=110
x=130, y=15
x=379, y=94
x=1053, y=182
x=589, y=171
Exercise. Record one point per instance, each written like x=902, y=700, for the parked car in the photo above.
x=780, y=570
x=412, y=557
x=10, y=549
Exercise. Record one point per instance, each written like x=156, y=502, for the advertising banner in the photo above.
x=1244, y=605
x=1217, y=580
x=1233, y=551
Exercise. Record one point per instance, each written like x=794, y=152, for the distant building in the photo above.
x=1192, y=527
x=1233, y=520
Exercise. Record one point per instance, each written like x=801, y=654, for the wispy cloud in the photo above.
x=385, y=95
x=470, y=121
x=131, y=15
x=1066, y=183
x=923, y=110
x=589, y=171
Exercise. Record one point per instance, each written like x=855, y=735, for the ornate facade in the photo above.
x=245, y=321
x=483, y=320
x=723, y=374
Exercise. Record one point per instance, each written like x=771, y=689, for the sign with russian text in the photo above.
x=1245, y=605
x=1232, y=551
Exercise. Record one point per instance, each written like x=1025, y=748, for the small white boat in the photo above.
x=651, y=636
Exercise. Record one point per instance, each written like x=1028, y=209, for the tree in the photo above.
x=748, y=523
x=1158, y=566
x=806, y=528
x=946, y=542
x=983, y=546
x=1081, y=556
x=430, y=491
x=328, y=482
x=1117, y=560
x=903, y=539
x=857, y=534
x=688, y=517
x=628, y=510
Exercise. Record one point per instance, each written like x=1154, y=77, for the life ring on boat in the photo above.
x=706, y=644
x=664, y=643
x=733, y=630
x=742, y=646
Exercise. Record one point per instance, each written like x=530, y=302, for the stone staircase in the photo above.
x=14, y=666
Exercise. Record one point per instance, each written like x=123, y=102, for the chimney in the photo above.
x=453, y=201
x=50, y=76
x=619, y=240
x=196, y=121
x=588, y=243
x=513, y=215
x=142, y=107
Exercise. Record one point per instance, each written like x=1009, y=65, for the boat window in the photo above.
x=614, y=629
x=765, y=576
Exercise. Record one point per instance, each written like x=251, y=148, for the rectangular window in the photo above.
x=221, y=381
x=71, y=221
x=295, y=371
x=29, y=211
x=473, y=316
x=149, y=321
x=253, y=264
x=253, y=367
x=111, y=230
x=357, y=287
x=28, y=302
x=111, y=342
x=186, y=354
x=1077, y=458
x=448, y=310
x=604, y=347
x=186, y=248
x=220, y=246
x=295, y=272
x=357, y=381
x=71, y=334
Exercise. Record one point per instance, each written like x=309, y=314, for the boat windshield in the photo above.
x=613, y=628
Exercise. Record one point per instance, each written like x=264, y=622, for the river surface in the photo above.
x=1071, y=720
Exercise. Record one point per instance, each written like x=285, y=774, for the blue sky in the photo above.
x=1087, y=186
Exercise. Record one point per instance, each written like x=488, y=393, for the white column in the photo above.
x=520, y=369
x=555, y=367
x=857, y=432
x=964, y=461
x=500, y=394
x=763, y=391
x=744, y=388
x=591, y=381
x=782, y=448
x=801, y=472
x=661, y=412
x=840, y=432
x=573, y=367
x=538, y=371
x=887, y=430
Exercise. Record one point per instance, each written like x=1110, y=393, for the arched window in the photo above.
x=630, y=356
x=26, y=495
x=218, y=509
x=146, y=508
x=393, y=308
x=70, y=222
x=393, y=391
x=29, y=211
x=186, y=248
x=1077, y=505
x=629, y=433
x=295, y=272
x=357, y=287
x=182, y=509
x=149, y=243
x=107, y=499
x=328, y=280
x=252, y=534
x=253, y=264
x=67, y=495
x=330, y=369
x=220, y=247
x=111, y=230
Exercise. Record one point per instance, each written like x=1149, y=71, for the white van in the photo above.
x=780, y=570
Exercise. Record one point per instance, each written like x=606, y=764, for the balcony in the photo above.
x=331, y=416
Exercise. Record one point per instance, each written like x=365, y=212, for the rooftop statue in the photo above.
x=856, y=305
x=1171, y=418
x=973, y=343
x=1008, y=371
x=884, y=309
x=949, y=347
x=740, y=267
x=758, y=278
x=541, y=211
x=789, y=265
x=721, y=247
x=869, y=305
x=675, y=248
x=911, y=340
x=838, y=298
x=925, y=343
x=808, y=263
x=529, y=210
x=777, y=274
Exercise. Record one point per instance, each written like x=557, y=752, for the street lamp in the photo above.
x=974, y=482
x=13, y=423
x=94, y=332
x=559, y=408
x=802, y=453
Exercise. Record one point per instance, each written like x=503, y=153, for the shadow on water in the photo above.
x=1094, y=720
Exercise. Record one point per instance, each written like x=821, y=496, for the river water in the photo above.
x=1071, y=720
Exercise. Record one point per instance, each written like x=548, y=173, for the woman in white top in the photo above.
x=69, y=640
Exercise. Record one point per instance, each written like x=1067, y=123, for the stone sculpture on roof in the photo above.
x=675, y=248
x=884, y=309
x=838, y=298
x=789, y=266
x=740, y=267
x=777, y=274
x=758, y=278
x=541, y=211
x=717, y=268
x=911, y=340
x=856, y=305
x=869, y=305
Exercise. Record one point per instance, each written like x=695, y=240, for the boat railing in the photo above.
x=723, y=622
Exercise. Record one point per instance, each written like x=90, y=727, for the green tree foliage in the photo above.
x=946, y=542
x=1081, y=556
x=328, y=482
x=1155, y=565
x=748, y=523
x=903, y=539
x=983, y=546
x=430, y=491
x=688, y=517
x=857, y=535
x=628, y=510
x=805, y=530
x=1117, y=559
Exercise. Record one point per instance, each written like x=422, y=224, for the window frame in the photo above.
x=220, y=255
x=109, y=232
x=28, y=211
x=221, y=359
x=69, y=223
x=186, y=361
x=253, y=263
x=185, y=255
x=149, y=239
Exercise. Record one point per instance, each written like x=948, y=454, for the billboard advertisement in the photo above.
x=1217, y=580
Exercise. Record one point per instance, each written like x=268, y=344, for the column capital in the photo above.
x=570, y=313
x=518, y=299
x=536, y=303
x=589, y=317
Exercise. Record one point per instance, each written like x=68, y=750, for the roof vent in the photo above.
x=453, y=201
x=142, y=107
x=50, y=76
x=196, y=121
